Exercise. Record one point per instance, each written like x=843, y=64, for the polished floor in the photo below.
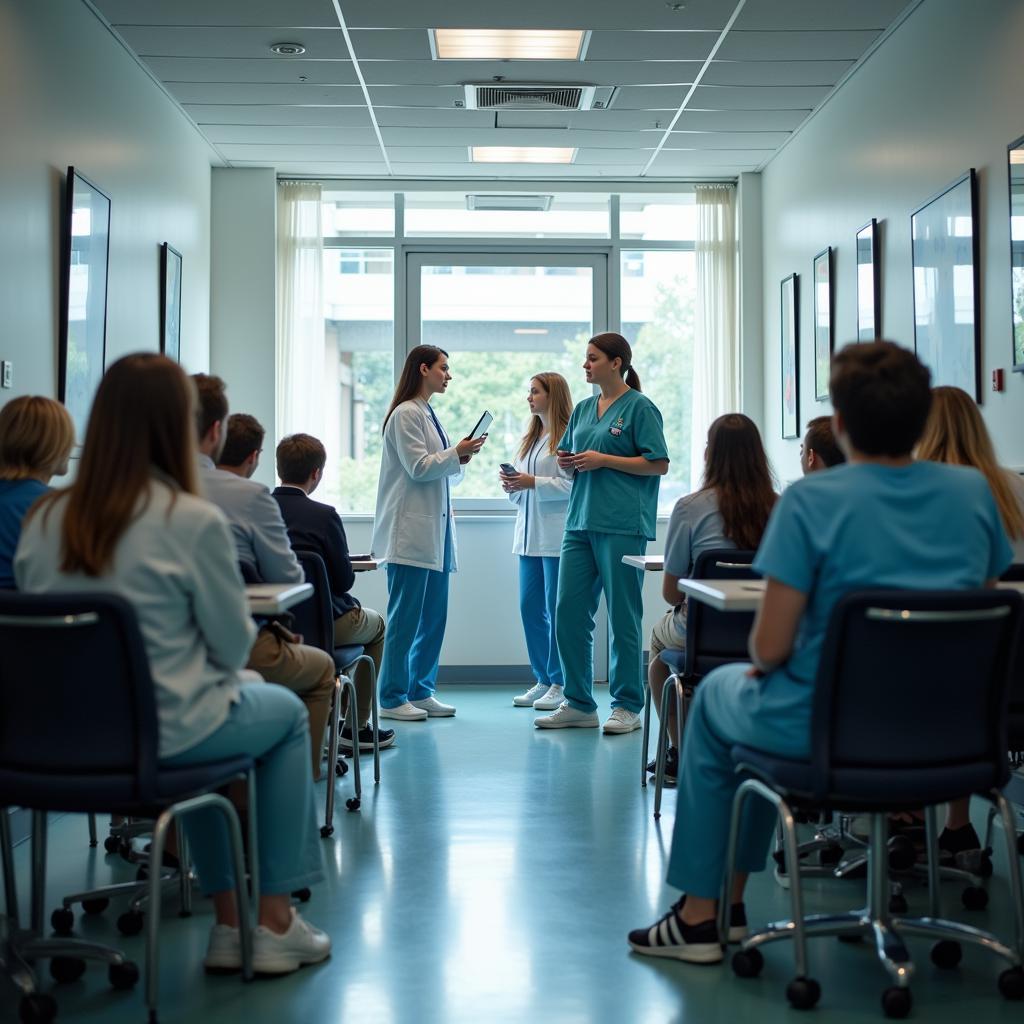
x=492, y=877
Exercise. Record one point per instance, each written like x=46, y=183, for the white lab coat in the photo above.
x=413, y=502
x=541, y=511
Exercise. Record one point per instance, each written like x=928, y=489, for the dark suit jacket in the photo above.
x=317, y=527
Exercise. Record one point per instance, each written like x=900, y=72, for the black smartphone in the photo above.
x=508, y=469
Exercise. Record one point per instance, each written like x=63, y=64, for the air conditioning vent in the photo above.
x=507, y=96
x=492, y=201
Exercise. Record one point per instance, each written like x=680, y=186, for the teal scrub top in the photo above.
x=608, y=500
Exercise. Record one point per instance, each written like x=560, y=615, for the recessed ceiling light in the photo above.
x=288, y=49
x=507, y=44
x=522, y=154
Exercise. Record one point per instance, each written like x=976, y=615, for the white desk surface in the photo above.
x=649, y=563
x=746, y=595
x=365, y=564
x=272, y=598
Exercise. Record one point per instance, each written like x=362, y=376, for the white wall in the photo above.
x=940, y=95
x=70, y=94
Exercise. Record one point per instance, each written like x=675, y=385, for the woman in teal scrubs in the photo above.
x=616, y=446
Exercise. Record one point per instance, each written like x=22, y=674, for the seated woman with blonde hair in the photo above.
x=36, y=436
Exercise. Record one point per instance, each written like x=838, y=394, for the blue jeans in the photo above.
x=270, y=724
x=538, y=592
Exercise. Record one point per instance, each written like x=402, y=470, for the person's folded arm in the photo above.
x=775, y=625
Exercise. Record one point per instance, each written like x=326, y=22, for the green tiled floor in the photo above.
x=492, y=877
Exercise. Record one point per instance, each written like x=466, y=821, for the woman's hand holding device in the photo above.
x=468, y=447
x=512, y=480
x=584, y=462
x=565, y=459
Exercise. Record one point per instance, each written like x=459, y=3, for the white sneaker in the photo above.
x=281, y=954
x=434, y=708
x=567, y=717
x=224, y=951
x=551, y=700
x=404, y=713
x=535, y=692
x=621, y=720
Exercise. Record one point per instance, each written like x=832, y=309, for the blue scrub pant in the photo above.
x=417, y=614
x=592, y=562
x=538, y=592
x=772, y=714
x=270, y=724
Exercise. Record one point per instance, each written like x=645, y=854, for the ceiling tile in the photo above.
x=226, y=12
x=319, y=95
x=593, y=120
x=185, y=41
x=262, y=70
x=847, y=45
x=741, y=120
x=326, y=168
x=790, y=15
x=416, y=96
x=423, y=117
x=612, y=157
x=660, y=98
x=723, y=97
x=391, y=44
x=357, y=154
x=650, y=45
x=776, y=73
x=673, y=158
x=469, y=136
x=726, y=140
x=279, y=135
x=456, y=72
x=239, y=114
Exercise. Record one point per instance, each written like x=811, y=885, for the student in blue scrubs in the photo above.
x=413, y=534
x=616, y=446
x=880, y=520
x=36, y=436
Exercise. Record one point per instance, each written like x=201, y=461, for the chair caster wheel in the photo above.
x=130, y=922
x=902, y=854
x=66, y=969
x=326, y=830
x=96, y=906
x=302, y=895
x=803, y=993
x=747, y=963
x=831, y=855
x=123, y=976
x=340, y=769
x=898, y=903
x=111, y=844
x=352, y=803
x=37, y=1008
x=1011, y=983
x=62, y=921
x=974, y=898
x=947, y=954
x=896, y=1002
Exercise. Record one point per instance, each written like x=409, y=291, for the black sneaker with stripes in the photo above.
x=696, y=943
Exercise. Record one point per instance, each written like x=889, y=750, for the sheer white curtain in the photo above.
x=301, y=347
x=716, y=386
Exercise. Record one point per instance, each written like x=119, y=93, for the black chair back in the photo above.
x=250, y=574
x=914, y=683
x=1015, y=723
x=716, y=638
x=77, y=703
x=314, y=619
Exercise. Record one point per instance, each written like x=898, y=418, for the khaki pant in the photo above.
x=307, y=671
x=362, y=626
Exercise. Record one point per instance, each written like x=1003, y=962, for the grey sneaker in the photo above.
x=224, y=951
x=434, y=708
x=535, y=692
x=621, y=720
x=551, y=699
x=567, y=717
x=281, y=954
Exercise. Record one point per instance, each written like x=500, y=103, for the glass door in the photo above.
x=503, y=318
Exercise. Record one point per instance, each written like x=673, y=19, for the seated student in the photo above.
x=819, y=449
x=133, y=524
x=262, y=542
x=956, y=433
x=36, y=436
x=729, y=511
x=882, y=520
x=318, y=527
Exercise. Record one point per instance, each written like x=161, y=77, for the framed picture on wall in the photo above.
x=823, y=306
x=82, y=337
x=944, y=244
x=869, y=292
x=170, y=302
x=790, y=338
x=1015, y=159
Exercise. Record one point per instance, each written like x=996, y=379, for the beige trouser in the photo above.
x=362, y=626
x=307, y=671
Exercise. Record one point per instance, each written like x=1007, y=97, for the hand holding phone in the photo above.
x=565, y=459
x=508, y=469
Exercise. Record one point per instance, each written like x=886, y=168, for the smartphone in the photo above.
x=481, y=426
x=508, y=469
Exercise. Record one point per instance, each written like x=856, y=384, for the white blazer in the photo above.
x=413, y=492
x=541, y=511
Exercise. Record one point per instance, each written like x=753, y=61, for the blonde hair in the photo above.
x=559, y=411
x=955, y=433
x=36, y=437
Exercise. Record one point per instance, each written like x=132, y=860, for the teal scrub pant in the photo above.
x=773, y=714
x=592, y=562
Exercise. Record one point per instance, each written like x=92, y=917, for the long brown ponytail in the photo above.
x=410, y=382
x=615, y=346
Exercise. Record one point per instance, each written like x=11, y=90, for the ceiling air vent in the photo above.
x=555, y=96
x=493, y=201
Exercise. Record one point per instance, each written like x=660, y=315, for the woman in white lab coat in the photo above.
x=540, y=491
x=414, y=535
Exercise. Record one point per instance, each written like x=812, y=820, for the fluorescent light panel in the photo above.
x=507, y=44
x=522, y=154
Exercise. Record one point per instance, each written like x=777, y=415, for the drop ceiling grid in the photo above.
x=777, y=64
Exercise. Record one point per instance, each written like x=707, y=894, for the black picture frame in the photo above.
x=84, y=272
x=947, y=285
x=170, y=301
x=824, y=317
x=869, y=283
x=789, y=334
x=1015, y=189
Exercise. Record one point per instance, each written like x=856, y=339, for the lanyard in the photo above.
x=437, y=424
